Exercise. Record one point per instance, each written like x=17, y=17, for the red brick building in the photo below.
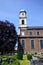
x=31, y=38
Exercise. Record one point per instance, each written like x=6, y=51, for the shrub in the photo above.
x=35, y=53
x=29, y=56
x=20, y=55
x=25, y=62
x=16, y=63
x=13, y=63
x=14, y=57
x=5, y=63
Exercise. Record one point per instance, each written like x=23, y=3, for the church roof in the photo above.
x=35, y=27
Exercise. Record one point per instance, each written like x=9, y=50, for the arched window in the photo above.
x=32, y=44
x=41, y=44
x=23, y=22
x=23, y=43
x=37, y=33
x=30, y=33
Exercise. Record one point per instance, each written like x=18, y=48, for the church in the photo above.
x=30, y=37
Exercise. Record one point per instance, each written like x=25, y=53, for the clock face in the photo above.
x=22, y=13
x=22, y=33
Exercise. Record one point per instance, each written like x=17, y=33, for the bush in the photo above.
x=25, y=62
x=35, y=53
x=16, y=63
x=20, y=55
x=13, y=63
x=5, y=63
x=14, y=57
x=29, y=56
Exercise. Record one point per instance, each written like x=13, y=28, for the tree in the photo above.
x=8, y=37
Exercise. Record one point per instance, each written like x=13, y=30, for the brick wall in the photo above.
x=27, y=47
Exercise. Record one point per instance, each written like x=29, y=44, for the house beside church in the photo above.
x=31, y=38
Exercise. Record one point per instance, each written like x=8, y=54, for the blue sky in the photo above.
x=9, y=10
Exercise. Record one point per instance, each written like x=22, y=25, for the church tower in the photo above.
x=22, y=19
x=22, y=22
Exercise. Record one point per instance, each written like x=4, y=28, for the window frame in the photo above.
x=24, y=43
x=22, y=33
x=31, y=45
x=40, y=45
x=30, y=33
x=38, y=33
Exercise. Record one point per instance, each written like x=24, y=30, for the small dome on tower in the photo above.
x=22, y=10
